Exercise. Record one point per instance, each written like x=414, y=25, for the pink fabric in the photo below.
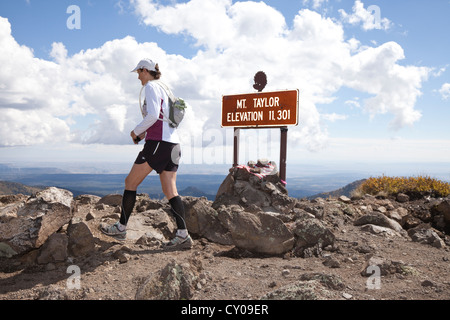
x=265, y=170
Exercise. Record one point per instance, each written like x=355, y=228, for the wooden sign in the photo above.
x=268, y=109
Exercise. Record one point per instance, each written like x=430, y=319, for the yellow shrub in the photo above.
x=409, y=185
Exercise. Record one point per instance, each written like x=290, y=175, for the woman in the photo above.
x=161, y=153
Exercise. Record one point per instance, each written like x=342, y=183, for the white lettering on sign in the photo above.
x=241, y=104
x=280, y=115
x=245, y=116
x=264, y=102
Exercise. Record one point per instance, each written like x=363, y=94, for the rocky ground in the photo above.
x=331, y=249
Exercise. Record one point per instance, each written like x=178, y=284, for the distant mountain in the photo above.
x=13, y=172
x=8, y=188
x=195, y=192
x=344, y=191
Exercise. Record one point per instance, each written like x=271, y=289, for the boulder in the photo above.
x=87, y=199
x=388, y=232
x=312, y=233
x=425, y=234
x=379, y=219
x=145, y=203
x=9, y=210
x=258, y=232
x=81, y=240
x=344, y=199
x=227, y=186
x=409, y=221
x=174, y=282
x=243, y=188
x=444, y=208
x=158, y=224
x=55, y=195
x=401, y=197
x=398, y=214
x=330, y=281
x=376, y=266
x=8, y=199
x=315, y=286
x=111, y=200
x=248, y=194
x=31, y=222
x=203, y=220
x=54, y=249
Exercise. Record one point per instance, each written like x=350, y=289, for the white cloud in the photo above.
x=30, y=99
x=353, y=103
x=235, y=40
x=59, y=52
x=439, y=72
x=370, y=18
x=37, y=126
x=209, y=25
x=333, y=117
x=395, y=88
x=315, y=3
x=445, y=91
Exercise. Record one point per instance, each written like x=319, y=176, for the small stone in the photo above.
x=401, y=197
x=50, y=266
x=427, y=283
x=331, y=262
x=345, y=199
x=90, y=216
x=285, y=272
x=121, y=256
x=381, y=209
x=347, y=295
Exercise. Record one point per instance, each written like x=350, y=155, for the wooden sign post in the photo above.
x=277, y=109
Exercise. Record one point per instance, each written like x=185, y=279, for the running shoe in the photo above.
x=179, y=243
x=113, y=231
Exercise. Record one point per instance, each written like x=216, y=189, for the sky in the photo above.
x=373, y=77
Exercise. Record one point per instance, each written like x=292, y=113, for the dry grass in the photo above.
x=421, y=185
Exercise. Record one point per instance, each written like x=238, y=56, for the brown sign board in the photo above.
x=263, y=109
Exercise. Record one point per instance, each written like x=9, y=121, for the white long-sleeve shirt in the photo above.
x=156, y=100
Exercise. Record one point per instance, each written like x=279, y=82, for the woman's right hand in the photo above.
x=137, y=139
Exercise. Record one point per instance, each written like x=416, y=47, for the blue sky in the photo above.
x=372, y=92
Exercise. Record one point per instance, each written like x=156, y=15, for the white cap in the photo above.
x=145, y=64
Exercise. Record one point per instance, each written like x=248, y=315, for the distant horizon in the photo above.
x=438, y=170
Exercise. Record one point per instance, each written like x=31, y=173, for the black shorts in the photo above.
x=160, y=155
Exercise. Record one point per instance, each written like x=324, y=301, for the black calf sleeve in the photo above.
x=178, y=212
x=128, y=201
